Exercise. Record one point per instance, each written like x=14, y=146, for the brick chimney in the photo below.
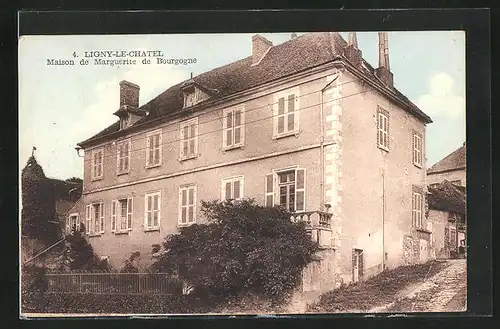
x=383, y=71
x=129, y=95
x=260, y=46
x=351, y=51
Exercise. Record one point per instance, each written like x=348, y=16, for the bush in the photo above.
x=243, y=248
x=34, y=278
x=80, y=254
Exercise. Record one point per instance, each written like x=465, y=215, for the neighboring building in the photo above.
x=45, y=202
x=447, y=218
x=452, y=168
x=307, y=124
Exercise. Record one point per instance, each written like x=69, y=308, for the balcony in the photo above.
x=318, y=226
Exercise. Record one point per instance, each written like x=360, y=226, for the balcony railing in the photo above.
x=318, y=226
x=314, y=219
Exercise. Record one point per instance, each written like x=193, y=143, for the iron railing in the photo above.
x=114, y=283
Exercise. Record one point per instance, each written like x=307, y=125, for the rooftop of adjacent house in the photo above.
x=286, y=59
x=456, y=160
x=446, y=196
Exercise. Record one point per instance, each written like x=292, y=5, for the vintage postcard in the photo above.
x=270, y=173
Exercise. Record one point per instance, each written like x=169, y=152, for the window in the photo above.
x=187, y=205
x=290, y=188
x=417, y=149
x=97, y=163
x=286, y=115
x=153, y=149
x=125, y=120
x=121, y=215
x=232, y=188
x=417, y=209
x=189, y=99
x=94, y=218
x=383, y=129
x=152, y=211
x=123, y=157
x=233, y=127
x=73, y=223
x=189, y=139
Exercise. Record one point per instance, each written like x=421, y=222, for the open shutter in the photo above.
x=183, y=143
x=88, y=218
x=68, y=225
x=129, y=213
x=224, y=128
x=300, y=190
x=101, y=218
x=148, y=151
x=239, y=121
x=113, y=215
x=195, y=137
x=269, y=190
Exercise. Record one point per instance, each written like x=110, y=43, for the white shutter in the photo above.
x=68, y=225
x=101, y=218
x=195, y=137
x=269, y=192
x=88, y=217
x=148, y=150
x=113, y=215
x=224, y=128
x=300, y=190
x=242, y=124
x=181, y=154
x=129, y=213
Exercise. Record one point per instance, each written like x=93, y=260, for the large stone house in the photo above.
x=307, y=124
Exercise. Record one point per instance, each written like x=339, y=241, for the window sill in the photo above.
x=234, y=147
x=122, y=232
x=423, y=230
x=152, y=229
x=185, y=224
x=383, y=148
x=419, y=166
x=188, y=158
x=288, y=134
x=95, y=179
x=121, y=173
x=153, y=166
x=93, y=235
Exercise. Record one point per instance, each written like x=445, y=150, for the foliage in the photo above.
x=75, y=180
x=80, y=254
x=129, y=266
x=243, y=248
x=34, y=278
x=38, y=204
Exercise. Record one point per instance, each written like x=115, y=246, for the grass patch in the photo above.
x=376, y=291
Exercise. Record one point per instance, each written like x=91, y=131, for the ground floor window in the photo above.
x=94, y=218
x=73, y=223
x=187, y=204
x=121, y=215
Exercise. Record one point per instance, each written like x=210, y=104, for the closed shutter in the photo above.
x=149, y=154
x=269, y=190
x=300, y=190
x=129, y=213
x=184, y=142
x=113, y=215
x=227, y=123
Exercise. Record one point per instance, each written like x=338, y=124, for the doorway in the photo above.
x=357, y=265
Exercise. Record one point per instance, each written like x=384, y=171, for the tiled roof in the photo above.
x=288, y=58
x=454, y=161
x=447, y=197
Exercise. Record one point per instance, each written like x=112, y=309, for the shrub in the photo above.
x=34, y=278
x=80, y=254
x=244, y=247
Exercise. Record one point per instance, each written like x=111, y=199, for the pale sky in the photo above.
x=63, y=105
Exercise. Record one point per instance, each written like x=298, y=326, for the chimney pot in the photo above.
x=129, y=95
x=351, y=51
x=260, y=46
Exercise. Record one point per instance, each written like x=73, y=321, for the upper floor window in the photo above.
x=97, y=163
x=417, y=149
x=152, y=210
x=189, y=139
x=94, y=218
x=286, y=115
x=233, y=127
x=417, y=206
x=187, y=204
x=153, y=149
x=189, y=98
x=123, y=157
x=289, y=186
x=124, y=121
x=232, y=188
x=121, y=215
x=383, y=128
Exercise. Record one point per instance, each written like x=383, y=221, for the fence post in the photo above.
x=80, y=285
x=138, y=283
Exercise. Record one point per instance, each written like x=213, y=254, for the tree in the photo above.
x=75, y=180
x=244, y=247
x=80, y=254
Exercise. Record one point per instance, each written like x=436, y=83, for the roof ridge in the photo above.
x=447, y=157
